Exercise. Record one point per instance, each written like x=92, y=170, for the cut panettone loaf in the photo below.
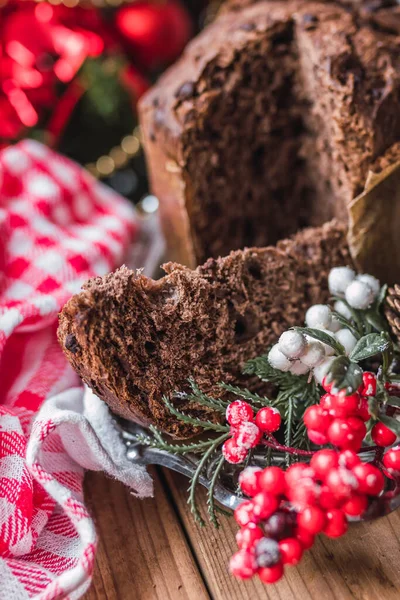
x=271, y=121
x=133, y=339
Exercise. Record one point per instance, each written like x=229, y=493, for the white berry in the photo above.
x=342, y=308
x=292, y=344
x=335, y=324
x=319, y=315
x=339, y=279
x=373, y=282
x=314, y=354
x=347, y=339
x=359, y=295
x=322, y=370
x=278, y=360
x=299, y=368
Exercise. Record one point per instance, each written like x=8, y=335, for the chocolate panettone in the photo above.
x=133, y=339
x=271, y=121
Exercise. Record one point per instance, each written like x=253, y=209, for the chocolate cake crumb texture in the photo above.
x=271, y=121
x=133, y=339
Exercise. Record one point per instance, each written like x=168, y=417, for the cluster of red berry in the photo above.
x=288, y=509
x=340, y=419
x=246, y=430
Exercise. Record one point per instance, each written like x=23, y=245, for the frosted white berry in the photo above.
x=339, y=279
x=359, y=295
x=373, y=282
x=335, y=324
x=278, y=360
x=314, y=354
x=322, y=370
x=342, y=308
x=347, y=339
x=319, y=315
x=292, y=344
x=299, y=368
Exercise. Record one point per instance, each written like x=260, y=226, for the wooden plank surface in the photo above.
x=143, y=552
x=153, y=550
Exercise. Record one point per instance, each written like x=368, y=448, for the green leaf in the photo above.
x=393, y=424
x=347, y=324
x=373, y=407
x=323, y=337
x=393, y=401
x=370, y=345
x=375, y=319
x=345, y=375
x=381, y=296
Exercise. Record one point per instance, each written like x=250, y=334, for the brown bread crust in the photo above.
x=133, y=339
x=271, y=120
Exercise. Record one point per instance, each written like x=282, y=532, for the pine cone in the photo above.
x=392, y=310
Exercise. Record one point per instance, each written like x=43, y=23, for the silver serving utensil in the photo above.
x=226, y=490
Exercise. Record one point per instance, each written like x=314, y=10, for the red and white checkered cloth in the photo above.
x=58, y=227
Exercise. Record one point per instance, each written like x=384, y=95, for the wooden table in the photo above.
x=152, y=550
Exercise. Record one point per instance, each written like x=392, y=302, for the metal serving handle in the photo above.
x=226, y=490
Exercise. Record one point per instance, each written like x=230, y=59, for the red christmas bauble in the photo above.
x=155, y=33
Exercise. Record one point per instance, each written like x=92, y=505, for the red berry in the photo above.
x=243, y=564
x=264, y=505
x=391, y=460
x=327, y=386
x=316, y=418
x=296, y=472
x=248, y=536
x=271, y=574
x=356, y=505
x=233, y=453
x=323, y=461
x=312, y=519
x=382, y=435
x=341, y=482
x=348, y=459
x=273, y=480
x=358, y=426
x=305, y=538
x=393, y=388
x=244, y=513
x=247, y=435
x=327, y=499
x=304, y=493
x=291, y=551
x=238, y=412
x=345, y=433
x=249, y=481
x=363, y=411
x=316, y=437
x=368, y=387
x=348, y=404
x=328, y=402
x=370, y=479
x=268, y=419
x=336, y=523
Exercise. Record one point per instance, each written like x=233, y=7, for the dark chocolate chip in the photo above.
x=185, y=91
x=152, y=137
x=248, y=26
x=156, y=101
x=309, y=21
x=71, y=344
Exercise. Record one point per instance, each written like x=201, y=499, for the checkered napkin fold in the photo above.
x=58, y=227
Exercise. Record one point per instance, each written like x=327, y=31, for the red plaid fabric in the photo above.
x=58, y=227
